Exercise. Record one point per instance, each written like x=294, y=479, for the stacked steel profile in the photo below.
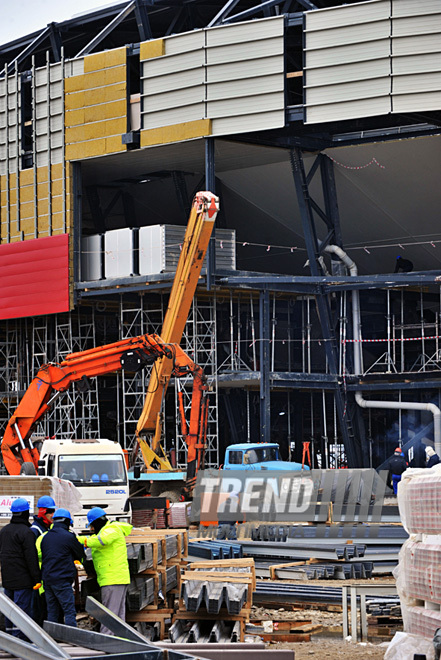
x=221, y=592
x=419, y=570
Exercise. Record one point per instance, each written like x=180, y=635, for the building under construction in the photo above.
x=317, y=123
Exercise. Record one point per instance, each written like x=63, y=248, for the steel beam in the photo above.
x=107, y=30
x=223, y=13
x=97, y=641
x=324, y=312
x=112, y=622
x=26, y=52
x=265, y=396
x=252, y=11
x=29, y=628
x=143, y=21
x=20, y=649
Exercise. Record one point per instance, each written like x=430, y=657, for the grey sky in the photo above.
x=20, y=17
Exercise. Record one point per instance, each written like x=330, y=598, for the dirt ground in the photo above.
x=327, y=642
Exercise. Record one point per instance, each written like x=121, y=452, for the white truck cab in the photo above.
x=97, y=468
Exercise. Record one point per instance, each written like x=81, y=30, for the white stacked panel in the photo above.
x=118, y=253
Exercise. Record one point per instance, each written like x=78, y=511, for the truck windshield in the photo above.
x=92, y=470
x=261, y=455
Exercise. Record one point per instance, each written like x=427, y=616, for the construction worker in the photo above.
x=19, y=562
x=431, y=457
x=397, y=465
x=46, y=509
x=109, y=555
x=59, y=549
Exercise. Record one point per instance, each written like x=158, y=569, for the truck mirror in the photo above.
x=41, y=462
x=41, y=471
x=137, y=471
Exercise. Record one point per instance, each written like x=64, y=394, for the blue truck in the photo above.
x=257, y=456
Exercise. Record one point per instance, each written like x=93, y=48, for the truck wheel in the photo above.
x=28, y=468
x=170, y=495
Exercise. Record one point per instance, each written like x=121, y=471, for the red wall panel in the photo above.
x=34, y=277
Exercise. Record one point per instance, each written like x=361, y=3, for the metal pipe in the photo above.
x=356, y=327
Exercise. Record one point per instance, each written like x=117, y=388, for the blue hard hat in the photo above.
x=94, y=514
x=19, y=505
x=104, y=477
x=46, y=502
x=95, y=477
x=63, y=513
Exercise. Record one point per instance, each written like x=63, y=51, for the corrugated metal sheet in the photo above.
x=222, y=74
x=35, y=277
x=370, y=58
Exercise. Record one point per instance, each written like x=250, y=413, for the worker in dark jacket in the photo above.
x=431, y=457
x=59, y=549
x=397, y=465
x=46, y=509
x=19, y=562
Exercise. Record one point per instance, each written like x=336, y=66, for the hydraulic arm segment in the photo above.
x=129, y=354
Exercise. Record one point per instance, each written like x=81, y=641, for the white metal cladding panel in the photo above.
x=237, y=88
x=413, y=25
x=365, y=51
x=349, y=72
x=174, y=116
x=175, y=99
x=412, y=8
x=236, y=33
x=74, y=67
x=235, y=70
x=348, y=110
x=351, y=34
x=55, y=125
x=182, y=43
x=420, y=44
x=348, y=92
x=346, y=15
x=163, y=66
x=245, y=51
x=247, y=123
x=242, y=106
x=174, y=81
x=417, y=102
x=416, y=63
x=424, y=82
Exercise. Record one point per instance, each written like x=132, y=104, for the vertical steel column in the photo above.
x=265, y=411
x=353, y=452
x=210, y=184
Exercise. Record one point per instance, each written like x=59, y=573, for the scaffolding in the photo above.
x=199, y=342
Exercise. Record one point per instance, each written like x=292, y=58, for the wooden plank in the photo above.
x=294, y=74
x=218, y=576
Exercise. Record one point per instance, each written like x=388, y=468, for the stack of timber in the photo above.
x=153, y=589
x=221, y=592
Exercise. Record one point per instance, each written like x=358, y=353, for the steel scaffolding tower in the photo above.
x=138, y=317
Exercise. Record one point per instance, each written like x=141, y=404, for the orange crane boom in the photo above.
x=130, y=354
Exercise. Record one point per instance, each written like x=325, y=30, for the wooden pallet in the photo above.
x=147, y=534
x=152, y=616
x=244, y=562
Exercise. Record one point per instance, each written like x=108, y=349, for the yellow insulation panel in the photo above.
x=176, y=133
x=97, y=129
x=96, y=96
x=150, y=49
x=96, y=106
x=95, y=79
x=109, y=58
x=27, y=203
